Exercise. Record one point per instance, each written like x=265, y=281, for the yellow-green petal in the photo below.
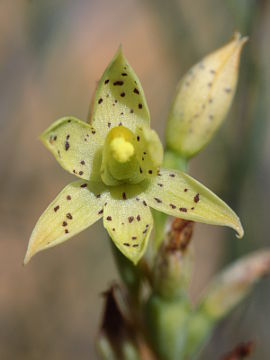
x=149, y=151
x=119, y=98
x=76, y=146
x=129, y=223
x=179, y=195
x=78, y=206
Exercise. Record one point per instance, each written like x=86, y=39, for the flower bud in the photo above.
x=173, y=265
x=203, y=99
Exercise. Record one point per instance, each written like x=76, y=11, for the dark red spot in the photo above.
x=69, y=216
x=118, y=83
x=109, y=218
x=158, y=200
x=83, y=162
x=130, y=219
x=67, y=145
x=80, y=172
x=196, y=198
x=68, y=197
x=138, y=218
x=100, y=212
x=56, y=208
x=64, y=223
x=183, y=209
x=172, y=206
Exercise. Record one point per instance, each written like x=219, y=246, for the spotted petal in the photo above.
x=179, y=195
x=76, y=146
x=129, y=222
x=119, y=98
x=78, y=206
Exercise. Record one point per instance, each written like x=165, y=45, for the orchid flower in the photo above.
x=118, y=160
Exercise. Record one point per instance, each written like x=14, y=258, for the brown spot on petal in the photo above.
x=68, y=197
x=124, y=196
x=136, y=91
x=83, y=185
x=69, y=216
x=196, y=198
x=130, y=219
x=109, y=218
x=56, y=208
x=183, y=209
x=64, y=223
x=118, y=83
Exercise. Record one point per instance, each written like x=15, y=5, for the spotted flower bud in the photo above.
x=118, y=160
x=203, y=99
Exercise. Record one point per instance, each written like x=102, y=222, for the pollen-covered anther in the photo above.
x=122, y=150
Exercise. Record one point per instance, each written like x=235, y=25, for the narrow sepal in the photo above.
x=178, y=194
x=119, y=98
x=78, y=206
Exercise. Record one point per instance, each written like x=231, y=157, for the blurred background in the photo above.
x=52, y=53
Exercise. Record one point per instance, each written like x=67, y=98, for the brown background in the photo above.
x=51, y=55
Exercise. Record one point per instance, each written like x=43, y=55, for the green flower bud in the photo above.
x=203, y=99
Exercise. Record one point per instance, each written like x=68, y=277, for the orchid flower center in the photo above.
x=122, y=150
